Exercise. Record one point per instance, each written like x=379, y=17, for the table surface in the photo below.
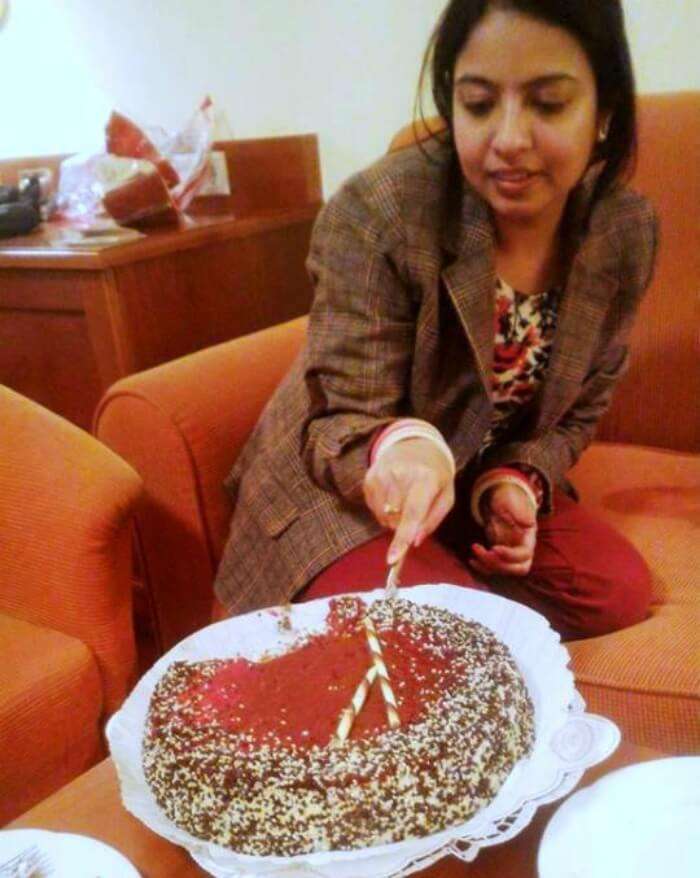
x=91, y=805
x=45, y=247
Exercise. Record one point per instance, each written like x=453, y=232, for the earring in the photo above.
x=603, y=130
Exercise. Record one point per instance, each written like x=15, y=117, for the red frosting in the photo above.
x=301, y=694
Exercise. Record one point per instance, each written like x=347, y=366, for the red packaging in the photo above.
x=141, y=179
x=144, y=200
x=125, y=138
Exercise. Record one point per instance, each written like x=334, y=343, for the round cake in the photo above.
x=282, y=756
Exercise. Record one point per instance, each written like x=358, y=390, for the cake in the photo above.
x=248, y=755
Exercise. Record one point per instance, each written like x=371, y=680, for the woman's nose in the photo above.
x=512, y=133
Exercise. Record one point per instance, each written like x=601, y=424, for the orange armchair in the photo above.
x=66, y=635
x=182, y=424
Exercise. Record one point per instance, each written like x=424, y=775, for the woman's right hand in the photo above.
x=410, y=490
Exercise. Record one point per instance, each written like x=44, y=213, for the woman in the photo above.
x=473, y=299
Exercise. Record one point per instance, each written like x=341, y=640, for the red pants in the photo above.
x=585, y=579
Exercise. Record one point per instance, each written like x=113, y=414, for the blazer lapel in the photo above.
x=471, y=280
x=582, y=310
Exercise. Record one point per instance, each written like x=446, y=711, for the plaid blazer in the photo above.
x=402, y=323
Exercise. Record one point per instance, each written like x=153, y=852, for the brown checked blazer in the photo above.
x=402, y=324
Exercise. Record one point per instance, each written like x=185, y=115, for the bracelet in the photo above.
x=534, y=479
x=499, y=476
x=385, y=432
x=412, y=429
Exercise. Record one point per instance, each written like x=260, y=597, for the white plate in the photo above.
x=642, y=821
x=68, y=855
x=567, y=740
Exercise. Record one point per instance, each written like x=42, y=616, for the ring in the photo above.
x=390, y=510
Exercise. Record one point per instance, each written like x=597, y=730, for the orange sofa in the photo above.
x=182, y=424
x=66, y=635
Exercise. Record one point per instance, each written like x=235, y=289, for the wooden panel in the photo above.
x=47, y=356
x=106, y=324
x=40, y=290
x=45, y=348
x=267, y=173
x=173, y=305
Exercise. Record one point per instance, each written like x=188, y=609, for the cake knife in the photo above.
x=392, y=581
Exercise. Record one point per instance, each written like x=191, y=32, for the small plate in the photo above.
x=68, y=855
x=639, y=822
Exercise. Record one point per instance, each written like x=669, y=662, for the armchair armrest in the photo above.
x=66, y=505
x=181, y=426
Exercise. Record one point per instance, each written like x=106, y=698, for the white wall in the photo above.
x=346, y=69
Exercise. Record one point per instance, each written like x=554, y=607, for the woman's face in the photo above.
x=525, y=115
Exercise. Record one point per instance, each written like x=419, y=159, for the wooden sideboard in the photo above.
x=73, y=321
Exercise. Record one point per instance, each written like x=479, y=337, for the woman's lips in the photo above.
x=513, y=182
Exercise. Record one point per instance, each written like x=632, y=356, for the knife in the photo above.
x=392, y=581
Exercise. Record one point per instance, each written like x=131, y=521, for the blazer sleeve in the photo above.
x=555, y=451
x=361, y=333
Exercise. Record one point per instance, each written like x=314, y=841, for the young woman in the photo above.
x=473, y=299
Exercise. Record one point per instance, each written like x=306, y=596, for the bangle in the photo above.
x=384, y=432
x=412, y=429
x=534, y=480
x=499, y=476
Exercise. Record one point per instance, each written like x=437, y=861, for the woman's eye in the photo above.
x=478, y=108
x=549, y=108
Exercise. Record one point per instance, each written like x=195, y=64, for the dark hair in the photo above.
x=597, y=25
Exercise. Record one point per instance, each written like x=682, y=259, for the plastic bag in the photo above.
x=145, y=177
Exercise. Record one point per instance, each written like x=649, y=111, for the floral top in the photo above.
x=524, y=332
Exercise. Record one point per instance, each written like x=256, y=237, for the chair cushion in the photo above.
x=50, y=713
x=647, y=678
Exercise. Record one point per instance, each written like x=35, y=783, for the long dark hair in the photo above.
x=597, y=25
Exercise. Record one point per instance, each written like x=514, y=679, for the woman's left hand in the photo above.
x=511, y=532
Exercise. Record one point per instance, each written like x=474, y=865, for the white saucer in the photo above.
x=642, y=821
x=69, y=856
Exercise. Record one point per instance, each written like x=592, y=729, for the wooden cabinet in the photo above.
x=72, y=322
